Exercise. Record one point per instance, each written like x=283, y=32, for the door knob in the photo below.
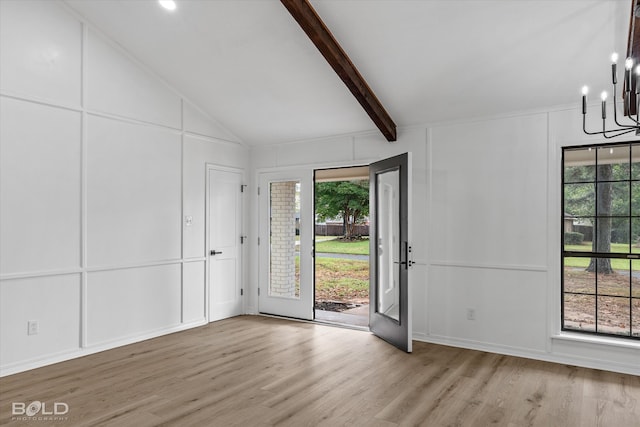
x=214, y=252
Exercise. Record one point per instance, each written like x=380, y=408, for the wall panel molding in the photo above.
x=461, y=264
x=212, y=148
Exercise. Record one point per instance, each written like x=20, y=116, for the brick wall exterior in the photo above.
x=283, y=239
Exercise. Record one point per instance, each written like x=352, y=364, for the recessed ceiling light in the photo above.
x=168, y=4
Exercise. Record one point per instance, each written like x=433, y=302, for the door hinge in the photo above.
x=258, y=191
x=258, y=291
x=241, y=292
x=258, y=241
x=242, y=239
x=242, y=187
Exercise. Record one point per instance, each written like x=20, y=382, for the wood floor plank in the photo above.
x=262, y=371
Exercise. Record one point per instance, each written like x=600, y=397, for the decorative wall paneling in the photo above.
x=101, y=162
x=486, y=220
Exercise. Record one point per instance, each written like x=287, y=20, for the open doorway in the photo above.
x=341, y=243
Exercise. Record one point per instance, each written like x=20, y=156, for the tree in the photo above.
x=346, y=199
x=617, y=198
x=602, y=241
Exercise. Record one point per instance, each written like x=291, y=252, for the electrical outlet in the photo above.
x=471, y=314
x=32, y=327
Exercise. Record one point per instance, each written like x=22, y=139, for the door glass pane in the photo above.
x=284, y=248
x=388, y=232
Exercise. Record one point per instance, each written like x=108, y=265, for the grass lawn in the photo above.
x=616, y=264
x=337, y=279
x=360, y=247
x=318, y=238
x=342, y=280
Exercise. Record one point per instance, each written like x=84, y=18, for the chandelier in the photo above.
x=629, y=124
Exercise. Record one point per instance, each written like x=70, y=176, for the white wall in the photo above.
x=100, y=163
x=486, y=218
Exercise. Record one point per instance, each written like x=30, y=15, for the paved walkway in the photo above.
x=342, y=256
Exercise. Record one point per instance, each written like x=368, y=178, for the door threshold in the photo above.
x=341, y=325
x=318, y=322
x=343, y=319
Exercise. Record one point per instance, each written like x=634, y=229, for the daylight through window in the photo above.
x=601, y=240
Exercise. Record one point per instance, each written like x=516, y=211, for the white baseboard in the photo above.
x=581, y=361
x=50, y=359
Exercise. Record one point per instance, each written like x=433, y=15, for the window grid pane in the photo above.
x=601, y=236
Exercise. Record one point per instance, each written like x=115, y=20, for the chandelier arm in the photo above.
x=620, y=133
x=615, y=111
x=584, y=126
x=630, y=117
x=617, y=132
x=624, y=130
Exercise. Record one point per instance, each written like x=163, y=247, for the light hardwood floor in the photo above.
x=261, y=371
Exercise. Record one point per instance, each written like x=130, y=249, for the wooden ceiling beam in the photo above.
x=317, y=31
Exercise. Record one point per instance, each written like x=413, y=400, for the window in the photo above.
x=284, y=254
x=601, y=240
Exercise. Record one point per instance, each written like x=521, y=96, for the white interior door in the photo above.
x=224, y=243
x=286, y=244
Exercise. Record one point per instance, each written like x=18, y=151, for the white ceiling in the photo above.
x=249, y=65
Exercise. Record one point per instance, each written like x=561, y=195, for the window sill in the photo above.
x=614, y=342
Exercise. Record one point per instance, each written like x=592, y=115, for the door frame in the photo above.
x=313, y=184
x=207, y=229
x=310, y=168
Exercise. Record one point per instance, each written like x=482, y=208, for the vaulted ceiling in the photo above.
x=248, y=64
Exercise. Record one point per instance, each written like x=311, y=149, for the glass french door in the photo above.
x=286, y=244
x=390, y=259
